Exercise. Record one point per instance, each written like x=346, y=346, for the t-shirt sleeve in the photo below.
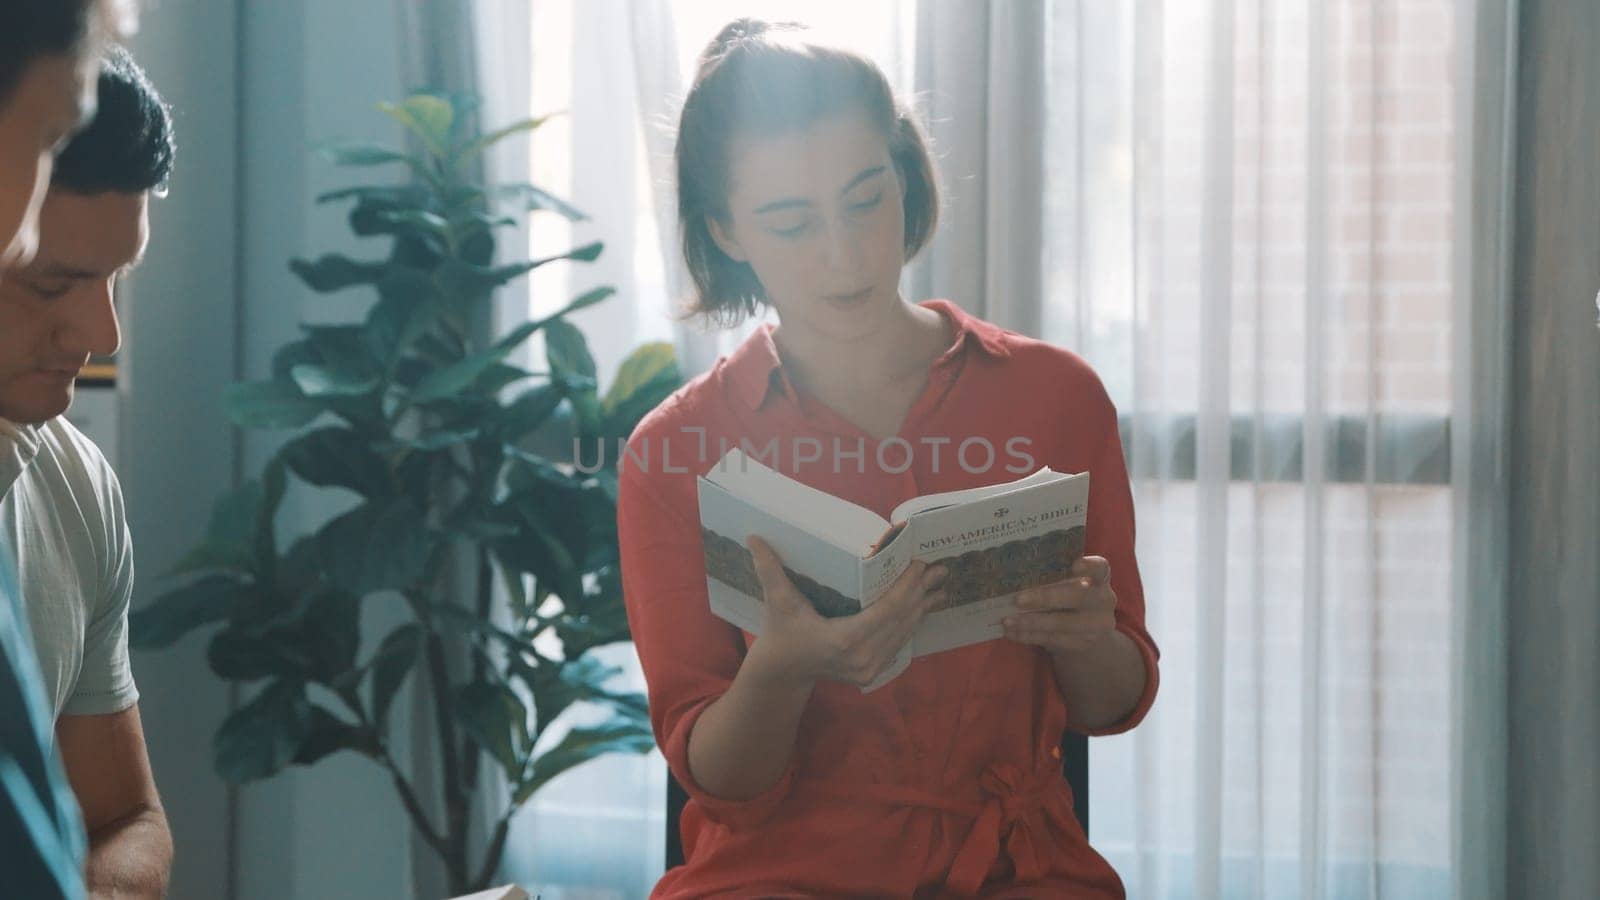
x=688, y=654
x=40, y=828
x=1111, y=535
x=105, y=683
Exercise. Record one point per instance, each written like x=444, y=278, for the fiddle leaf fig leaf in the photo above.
x=268, y=404
x=262, y=737
x=623, y=734
x=379, y=545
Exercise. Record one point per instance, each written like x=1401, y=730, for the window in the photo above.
x=1343, y=756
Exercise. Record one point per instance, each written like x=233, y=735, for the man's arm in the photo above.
x=130, y=847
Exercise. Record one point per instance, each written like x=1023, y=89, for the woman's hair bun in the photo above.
x=737, y=30
x=747, y=29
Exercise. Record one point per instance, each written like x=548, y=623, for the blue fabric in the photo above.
x=41, y=832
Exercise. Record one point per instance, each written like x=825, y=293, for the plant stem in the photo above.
x=408, y=797
x=455, y=802
x=469, y=775
x=497, y=846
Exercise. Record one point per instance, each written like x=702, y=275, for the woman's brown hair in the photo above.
x=766, y=78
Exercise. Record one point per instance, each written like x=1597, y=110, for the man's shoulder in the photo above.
x=63, y=439
x=72, y=475
x=77, y=458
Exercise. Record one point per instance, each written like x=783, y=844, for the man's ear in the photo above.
x=725, y=241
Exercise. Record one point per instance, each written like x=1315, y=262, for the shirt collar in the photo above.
x=19, y=444
x=755, y=370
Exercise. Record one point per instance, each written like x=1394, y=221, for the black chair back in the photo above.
x=1074, y=765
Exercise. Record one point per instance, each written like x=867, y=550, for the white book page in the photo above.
x=507, y=892
x=838, y=521
x=951, y=498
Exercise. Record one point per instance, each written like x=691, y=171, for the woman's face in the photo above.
x=818, y=214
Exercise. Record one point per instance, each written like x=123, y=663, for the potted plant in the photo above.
x=492, y=551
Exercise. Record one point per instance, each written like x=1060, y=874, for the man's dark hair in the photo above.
x=30, y=29
x=128, y=148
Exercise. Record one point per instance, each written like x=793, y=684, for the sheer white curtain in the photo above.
x=1252, y=216
x=1257, y=218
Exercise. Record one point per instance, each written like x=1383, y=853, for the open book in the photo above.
x=995, y=541
x=506, y=892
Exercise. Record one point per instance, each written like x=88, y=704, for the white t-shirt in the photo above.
x=61, y=512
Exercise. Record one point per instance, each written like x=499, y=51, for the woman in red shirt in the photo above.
x=805, y=186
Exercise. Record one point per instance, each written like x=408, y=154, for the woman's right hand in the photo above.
x=798, y=643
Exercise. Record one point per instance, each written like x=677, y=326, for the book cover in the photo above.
x=995, y=540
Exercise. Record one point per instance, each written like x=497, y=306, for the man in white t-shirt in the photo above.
x=49, y=63
x=61, y=508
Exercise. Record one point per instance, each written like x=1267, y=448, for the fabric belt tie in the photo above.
x=1014, y=811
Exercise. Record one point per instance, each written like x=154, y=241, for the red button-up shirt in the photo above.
x=947, y=781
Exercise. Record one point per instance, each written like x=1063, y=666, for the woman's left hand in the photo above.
x=1068, y=615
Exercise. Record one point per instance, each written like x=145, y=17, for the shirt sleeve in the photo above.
x=105, y=683
x=41, y=830
x=1111, y=535
x=688, y=654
